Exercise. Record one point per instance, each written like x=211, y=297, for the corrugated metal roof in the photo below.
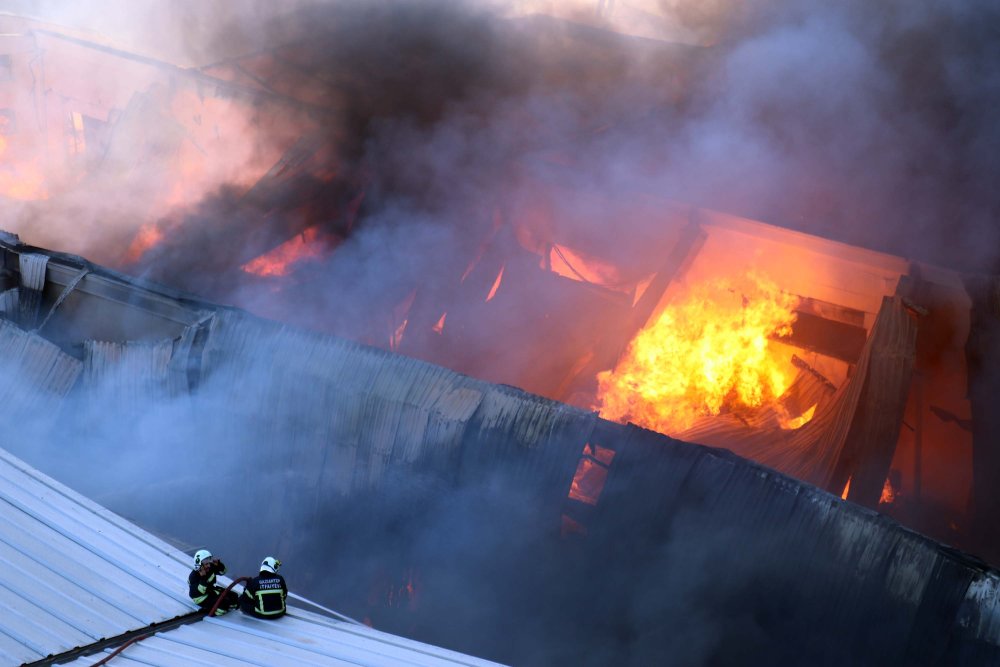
x=300, y=638
x=359, y=411
x=128, y=375
x=72, y=574
x=36, y=373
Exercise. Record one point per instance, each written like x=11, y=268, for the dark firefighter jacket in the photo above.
x=202, y=589
x=264, y=596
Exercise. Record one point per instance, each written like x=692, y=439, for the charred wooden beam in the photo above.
x=613, y=344
x=874, y=430
x=831, y=311
x=691, y=239
x=829, y=337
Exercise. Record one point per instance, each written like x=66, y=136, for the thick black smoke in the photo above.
x=869, y=125
x=436, y=109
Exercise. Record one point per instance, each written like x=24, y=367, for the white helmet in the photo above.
x=270, y=564
x=201, y=555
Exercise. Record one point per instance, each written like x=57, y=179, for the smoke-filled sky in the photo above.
x=868, y=123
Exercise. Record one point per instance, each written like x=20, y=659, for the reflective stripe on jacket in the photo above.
x=264, y=595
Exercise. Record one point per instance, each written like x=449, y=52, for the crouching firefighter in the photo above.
x=264, y=595
x=202, y=587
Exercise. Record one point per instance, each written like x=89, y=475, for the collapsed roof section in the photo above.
x=357, y=442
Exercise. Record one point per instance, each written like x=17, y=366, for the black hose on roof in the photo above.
x=211, y=612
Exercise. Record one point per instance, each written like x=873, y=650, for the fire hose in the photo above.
x=211, y=612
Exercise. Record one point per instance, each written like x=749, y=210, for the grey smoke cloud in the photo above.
x=866, y=124
x=870, y=124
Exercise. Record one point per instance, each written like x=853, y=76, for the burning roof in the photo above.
x=537, y=211
x=373, y=461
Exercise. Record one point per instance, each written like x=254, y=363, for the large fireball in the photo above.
x=709, y=351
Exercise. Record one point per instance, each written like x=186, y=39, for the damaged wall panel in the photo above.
x=36, y=374
x=901, y=605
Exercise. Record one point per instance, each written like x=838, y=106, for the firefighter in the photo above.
x=201, y=583
x=264, y=595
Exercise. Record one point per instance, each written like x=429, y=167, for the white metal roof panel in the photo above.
x=300, y=638
x=72, y=573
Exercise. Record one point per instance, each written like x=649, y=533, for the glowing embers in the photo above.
x=394, y=589
x=585, y=489
x=310, y=244
x=710, y=351
x=591, y=473
x=790, y=423
x=400, y=318
x=889, y=493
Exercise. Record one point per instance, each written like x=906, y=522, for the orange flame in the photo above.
x=147, y=237
x=439, y=327
x=847, y=489
x=496, y=285
x=278, y=262
x=591, y=474
x=706, y=353
x=888, y=493
x=397, y=336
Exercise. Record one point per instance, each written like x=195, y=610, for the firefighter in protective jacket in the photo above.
x=201, y=583
x=264, y=595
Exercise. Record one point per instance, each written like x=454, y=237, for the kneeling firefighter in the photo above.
x=201, y=583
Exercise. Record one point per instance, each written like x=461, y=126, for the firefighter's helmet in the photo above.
x=270, y=564
x=201, y=555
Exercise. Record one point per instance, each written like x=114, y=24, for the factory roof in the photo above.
x=76, y=581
